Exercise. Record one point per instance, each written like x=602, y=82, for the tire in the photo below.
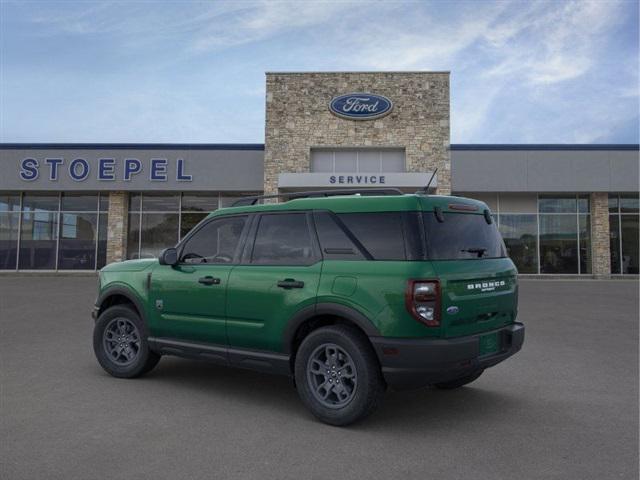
x=343, y=360
x=131, y=358
x=459, y=382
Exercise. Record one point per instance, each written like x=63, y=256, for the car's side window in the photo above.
x=215, y=242
x=283, y=239
x=334, y=241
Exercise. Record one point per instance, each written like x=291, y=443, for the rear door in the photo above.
x=279, y=275
x=478, y=281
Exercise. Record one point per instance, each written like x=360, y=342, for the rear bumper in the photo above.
x=413, y=363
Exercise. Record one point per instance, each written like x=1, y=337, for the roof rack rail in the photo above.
x=245, y=201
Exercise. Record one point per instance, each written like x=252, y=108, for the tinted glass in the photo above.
x=613, y=203
x=40, y=201
x=190, y=220
x=133, y=237
x=8, y=240
x=38, y=240
x=283, y=240
x=135, y=202
x=583, y=203
x=585, y=243
x=380, y=233
x=215, y=242
x=629, y=203
x=520, y=234
x=77, y=248
x=79, y=202
x=199, y=202
x=9, y=202
x=558, y=244
x=104, y=202
x=334, y=242
x=614, y=242
x=160, y=203
x=557, y=204
x=462, y=236
x=159, y=231
x=630, y=245
x=102, y=241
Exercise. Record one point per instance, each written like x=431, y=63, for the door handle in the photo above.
x=290, y=283
x=209, y=280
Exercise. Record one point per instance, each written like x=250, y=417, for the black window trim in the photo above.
x=363, y=251
x=236, y=255
x=248, y=248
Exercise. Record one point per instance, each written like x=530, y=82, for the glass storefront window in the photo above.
x=159, y=231
x=584, y=235
x=77, y=246
x=79, y=202
x=624, y=233
x=133, y=236
x=199, y=202
x=630, y=245
x=9, y=202
x=614, y=242
x=188, y=220
x=558, y=244
x=9, y=224
x=583, y=204
x=153, y=202
x=520, y=234
x=557, y=204
x=38, y=239
x=629, y=204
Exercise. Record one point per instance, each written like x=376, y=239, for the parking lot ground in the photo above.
x=565, y=407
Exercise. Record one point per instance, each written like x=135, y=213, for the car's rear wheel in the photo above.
x=337, y=375
x=120, y=343
x=459, y=382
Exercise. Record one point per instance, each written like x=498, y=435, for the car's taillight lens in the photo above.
x=423, y=301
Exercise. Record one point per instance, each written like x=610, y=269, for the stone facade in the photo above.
x=600, y=248
x=117, y=226
x=298, y=119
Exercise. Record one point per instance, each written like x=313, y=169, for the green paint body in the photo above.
x=248, y=310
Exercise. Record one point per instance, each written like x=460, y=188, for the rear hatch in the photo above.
x=478, y=282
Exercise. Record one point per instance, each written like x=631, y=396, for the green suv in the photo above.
x=349, y=294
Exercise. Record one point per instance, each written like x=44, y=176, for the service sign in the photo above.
x=360, y=106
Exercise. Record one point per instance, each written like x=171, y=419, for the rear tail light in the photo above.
x=423, y=301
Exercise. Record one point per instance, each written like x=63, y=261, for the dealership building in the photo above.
x=562, y=209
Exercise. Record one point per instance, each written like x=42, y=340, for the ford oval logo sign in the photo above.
x=360, y=106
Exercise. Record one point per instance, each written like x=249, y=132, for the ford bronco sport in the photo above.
x=349, y=294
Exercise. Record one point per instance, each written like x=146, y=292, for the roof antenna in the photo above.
x=425, y=190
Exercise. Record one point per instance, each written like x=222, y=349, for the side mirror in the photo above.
x=169, y=256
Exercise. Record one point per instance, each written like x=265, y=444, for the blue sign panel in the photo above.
x=360, y=106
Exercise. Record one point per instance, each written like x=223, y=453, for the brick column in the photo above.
x=117, y=226
x=600, y=252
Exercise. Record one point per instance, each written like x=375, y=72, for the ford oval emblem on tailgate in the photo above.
x=452, y=310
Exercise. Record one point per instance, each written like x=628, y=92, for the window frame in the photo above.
x=239, y=248
x=247, y=251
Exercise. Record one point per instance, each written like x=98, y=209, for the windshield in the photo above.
x=462, y=236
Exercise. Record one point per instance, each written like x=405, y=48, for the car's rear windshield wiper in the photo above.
x=479, y=251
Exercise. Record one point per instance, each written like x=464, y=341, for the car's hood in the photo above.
x=130, y=265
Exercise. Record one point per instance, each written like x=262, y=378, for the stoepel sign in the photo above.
x=360, y=106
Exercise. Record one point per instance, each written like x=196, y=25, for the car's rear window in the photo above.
x=462, y=236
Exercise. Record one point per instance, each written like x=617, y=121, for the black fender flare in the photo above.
x=125, y=292
x=350, y=314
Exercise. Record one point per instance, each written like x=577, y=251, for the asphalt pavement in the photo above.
x=565, y=407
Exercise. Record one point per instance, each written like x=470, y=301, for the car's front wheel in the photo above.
x=120, y=343
x=337, y=375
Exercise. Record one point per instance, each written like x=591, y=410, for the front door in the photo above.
x=188, y=300
x=279, y=275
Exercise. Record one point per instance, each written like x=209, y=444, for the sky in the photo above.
x=193, y=72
